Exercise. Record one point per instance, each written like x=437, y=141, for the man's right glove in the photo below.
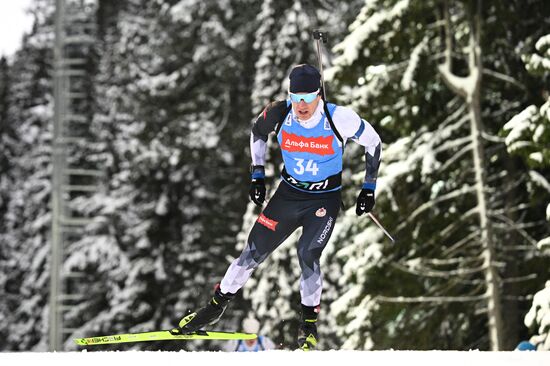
x=257, y=191
x=365, y=201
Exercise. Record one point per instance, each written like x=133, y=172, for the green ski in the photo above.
x=162, y=335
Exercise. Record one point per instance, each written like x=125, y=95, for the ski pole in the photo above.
x=380, y=226
x=318, y=36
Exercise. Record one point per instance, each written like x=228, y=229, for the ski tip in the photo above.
x=229, y=335
x=249, y=335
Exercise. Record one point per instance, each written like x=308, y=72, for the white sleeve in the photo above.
x=351, y=126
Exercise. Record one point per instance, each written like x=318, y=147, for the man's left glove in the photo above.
x=365, y=201
x=257, y=191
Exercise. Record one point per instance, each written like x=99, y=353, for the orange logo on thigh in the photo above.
x=268, y=223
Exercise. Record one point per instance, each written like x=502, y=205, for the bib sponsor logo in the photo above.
x=321, y=212
x=314, y=145
x=268, y=223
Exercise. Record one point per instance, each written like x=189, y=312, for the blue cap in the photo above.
x=304, y=78
x=526, y=346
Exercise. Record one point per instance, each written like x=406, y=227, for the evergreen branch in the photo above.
x=448, y=261
x=509, y=187
x=434, y=299
x=466, y=240
x=492, y=138
x=518, y=298
x=518, y=248
x=425, y=206
x=500, y=174
x=227, y=109
x=505, y=78
x=437, y=273
x=453, y=143
x=465, y=150
x=502, y=112
x=451, y=104
x=453, y=225
x=528, y=277
x=457, y=245
x=510, y=225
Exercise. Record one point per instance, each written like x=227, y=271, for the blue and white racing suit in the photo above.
x=309, y=195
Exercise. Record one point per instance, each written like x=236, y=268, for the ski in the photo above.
x=162, y=335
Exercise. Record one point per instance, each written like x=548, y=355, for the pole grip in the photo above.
x=318, y=34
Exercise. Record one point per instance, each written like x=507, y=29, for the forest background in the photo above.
x=457, y=90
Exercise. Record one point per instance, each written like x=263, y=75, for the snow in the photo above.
x=539, y=179
x=538, y=318
x=15, y=20
x=517, y=125
x=544, y=243
x=542, y=43
x=408, y=358
x=363, y=28
x=407, y=80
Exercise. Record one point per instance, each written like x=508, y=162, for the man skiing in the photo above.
x=312, y=135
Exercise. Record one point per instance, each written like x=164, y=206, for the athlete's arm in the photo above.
x=262, y=127
x=351, y=126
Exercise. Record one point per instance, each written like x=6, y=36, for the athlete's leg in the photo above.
x=277, y=221
x=318, y=224
x=274, y=225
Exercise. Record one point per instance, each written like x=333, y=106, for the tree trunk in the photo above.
x=469, y=88
x=491, y=273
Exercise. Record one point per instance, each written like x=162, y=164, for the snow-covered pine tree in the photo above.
x=170, y=107
x=538, y=319
x=528, y=132
x=427, y=188
x=528, y=135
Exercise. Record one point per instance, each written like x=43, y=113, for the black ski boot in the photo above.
x=307, y=334
x=207, y=315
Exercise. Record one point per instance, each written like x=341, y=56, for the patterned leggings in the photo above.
x=287, y=210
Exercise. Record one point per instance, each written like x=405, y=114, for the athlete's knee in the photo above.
x=309, y=257
x=251, y=257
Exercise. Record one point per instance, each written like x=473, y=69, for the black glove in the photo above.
x=365, y=201
x=257, y=191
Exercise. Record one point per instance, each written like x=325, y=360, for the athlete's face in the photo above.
x=304, y=110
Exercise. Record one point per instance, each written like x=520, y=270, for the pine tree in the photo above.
x=427, y=186
x=528, y=135
x=169, y=109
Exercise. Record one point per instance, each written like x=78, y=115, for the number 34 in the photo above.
x=311, y=166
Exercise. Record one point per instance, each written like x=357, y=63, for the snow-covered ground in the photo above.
x=288, y=358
